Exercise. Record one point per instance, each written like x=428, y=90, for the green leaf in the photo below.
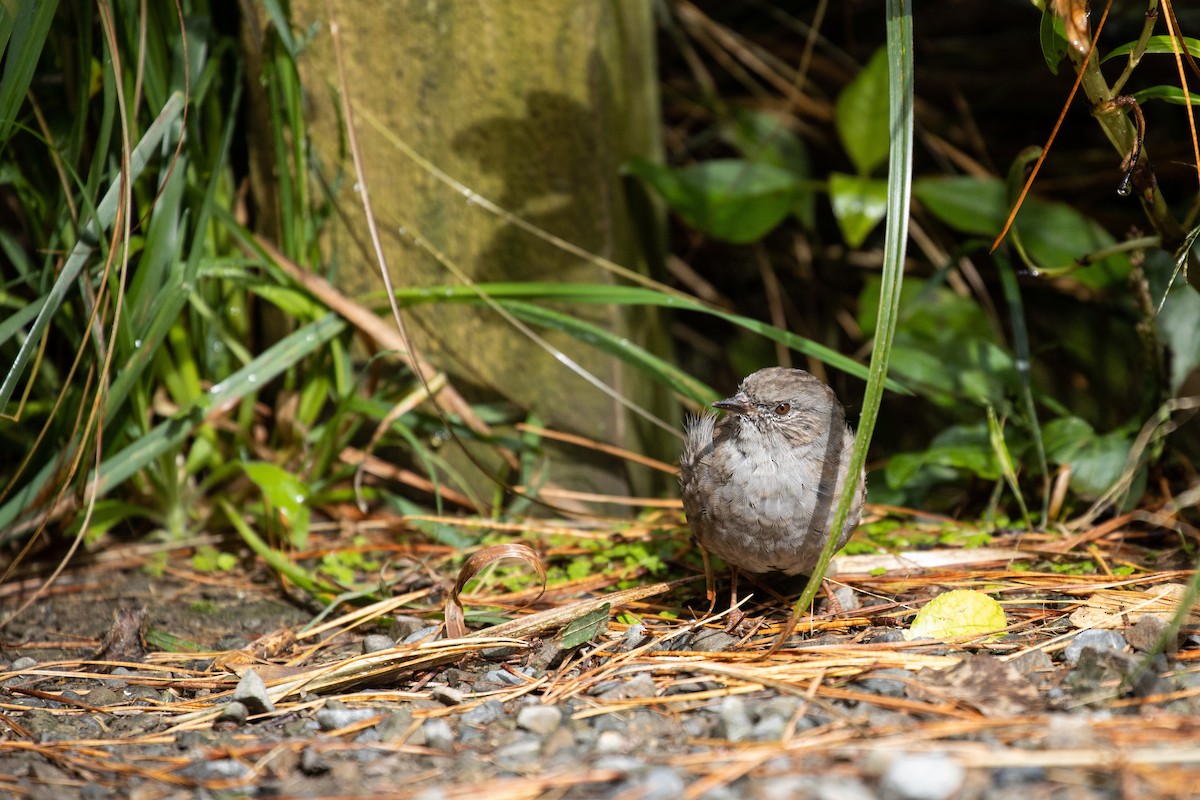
x=1156, y=44
x=583, y=629
x=1168, y=94
x=1065, y=437
x=1053, y=40
x=859, y=204
x=763, y=137
x=861, y=115
x=287, y=493
x=1056, y=237
x=970, y=205
x=960, y=447
x=1096, y=462
x=733, y=200
x=1099, y=464
x=1177, y=325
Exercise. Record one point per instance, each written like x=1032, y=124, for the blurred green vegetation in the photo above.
x=140, y=383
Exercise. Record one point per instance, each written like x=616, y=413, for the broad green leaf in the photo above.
x=1053, y=40
x=1157, y=44
x=859, y=204
x=861, y=115
x=1096, y=462
x=1065, y=437
x=287, y=493
x=763, y=137
x=959, y=447
x=733, y=200
x=583, y=629
x=1055, y=235
x=1178, y=323
x=1099, y=464
x=1168, y=94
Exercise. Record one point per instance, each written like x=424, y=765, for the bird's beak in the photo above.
x=738, y=404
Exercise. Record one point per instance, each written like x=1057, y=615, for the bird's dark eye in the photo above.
x=783, y=408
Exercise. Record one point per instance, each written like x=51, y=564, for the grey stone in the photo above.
x=332, y=719
x=889, y=682
x=539, y=719
x=404, y=626
x=484, y=713
x=610, y=742
x=713, y=640
x=843, y=789
x=438, y=734
x=656, y=783
x=503, y=677
x=233, y=713
x=640, y=685
x=213, y=770
x=1098, y=640
x=252, y=693
x=847, y=598
x=447, y=696
x=733, y=721
x=377, y=642
x=523, y=748
x=922, y=776
x=422, y=633
x=1033, y=664
x=23, y=663
x=1144, y=634
x=395, y=725
x=312, y=762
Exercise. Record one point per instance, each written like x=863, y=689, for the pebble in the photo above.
x=447, y=696
x=520, y=749
x=843, y=789
x=221, y=768
x=847, y=598
x=502, y=676
x=922, y=776
x=103, y=696
x=484, y=713
x=610, y=742
x=420, y=634
x=633, y=637
x=394, y=725
x=539, y=719
x=1033, y=664
x=438, y=734
x=23, y=663
x=312, y=762
x=377, y=642
x=656, y=783
x=733, y=721
x=1099, y=640
x=640, y=685
x=332, y=719
x=713, y=640
x=1144, y=634
x=889, y=682
x=234, y=714
x=404, y=626
x=252, y=693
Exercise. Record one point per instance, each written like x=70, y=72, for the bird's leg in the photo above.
x=710, y=581
x=736, y=617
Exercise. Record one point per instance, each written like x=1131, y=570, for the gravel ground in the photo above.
x=667, y=710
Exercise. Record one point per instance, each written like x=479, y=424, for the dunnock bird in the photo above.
x=760, y=486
